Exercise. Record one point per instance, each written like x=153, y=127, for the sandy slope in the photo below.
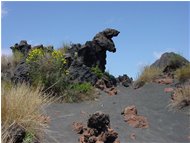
x=164, y=126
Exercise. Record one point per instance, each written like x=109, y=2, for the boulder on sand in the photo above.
x=98, y=130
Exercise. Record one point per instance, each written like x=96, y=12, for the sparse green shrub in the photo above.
x=183, y=73
x=148, y=74
x=28, y=137
x=48, y=69
x=83, y=87
x=96, y=70
x=77, y=92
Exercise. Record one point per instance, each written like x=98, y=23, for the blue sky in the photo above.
x=148, y=29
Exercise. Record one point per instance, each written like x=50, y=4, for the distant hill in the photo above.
x=170, y=59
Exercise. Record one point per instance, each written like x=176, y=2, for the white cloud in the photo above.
x=4, y=11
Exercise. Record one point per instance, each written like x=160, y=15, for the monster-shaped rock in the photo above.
x=94, y=52
x=91, y=54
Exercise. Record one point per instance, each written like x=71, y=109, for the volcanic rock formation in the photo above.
x=91, y=54
x=80, y=58
x=124, y=80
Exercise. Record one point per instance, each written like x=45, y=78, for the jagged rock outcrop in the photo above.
x=23, y=47
x=169, y=62
x=79, y=73
x=80, y=58
x=94, y=52
x=91, y=54
x=124, y=80
x=20, y=73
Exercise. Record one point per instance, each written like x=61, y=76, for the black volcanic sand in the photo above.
x=165, y=126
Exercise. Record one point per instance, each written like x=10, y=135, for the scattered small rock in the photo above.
x=82, y=112
x=111, y=91
x=133, y=136
x=168, y=90
x=102, y=86
x=166, y=80
x=133, y=119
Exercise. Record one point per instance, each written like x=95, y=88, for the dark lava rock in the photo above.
x=21, y=73
x=22, y=47
x=97, y=131
x=125, y=80
x=109, y=80
x=169, y=62
x=93, y=53
x=79, y=73
x=99, y=121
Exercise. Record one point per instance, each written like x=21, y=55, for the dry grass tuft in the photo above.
x=6, y=61
x=148, y=74
x=22, y=105
x=183, y=73
x=181, y=97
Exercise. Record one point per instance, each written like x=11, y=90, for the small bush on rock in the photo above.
x=96, y=70
x=83, y=87
x=77, y=92
x=48, y=69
